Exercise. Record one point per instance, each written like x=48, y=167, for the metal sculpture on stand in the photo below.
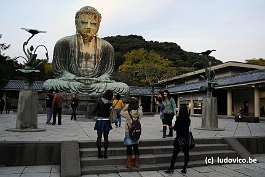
x=27, y=113
x=209, y=75
x=209, y=103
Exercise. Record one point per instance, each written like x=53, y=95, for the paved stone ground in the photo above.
x=83, y=129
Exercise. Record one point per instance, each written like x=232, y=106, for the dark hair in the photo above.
x=133, y=105
x=183, y=111
x=108, y=94
x=51, y=91
x=56, y=91
x=168, y=94
x=118, y=96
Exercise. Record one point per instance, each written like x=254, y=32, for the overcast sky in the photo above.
x=235, y=28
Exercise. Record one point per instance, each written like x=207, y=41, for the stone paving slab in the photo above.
x=8, y=175
x=226, y=171
x=249, y=172
x=31, y=171
x=38, y=169
x=11, y=170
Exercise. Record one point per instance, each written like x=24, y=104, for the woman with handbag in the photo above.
x=181, y=142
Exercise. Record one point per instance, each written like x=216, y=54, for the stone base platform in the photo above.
x=26, y=130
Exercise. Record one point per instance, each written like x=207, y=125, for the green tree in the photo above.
x=6, y=67
x=145, y=68
x=254, y=61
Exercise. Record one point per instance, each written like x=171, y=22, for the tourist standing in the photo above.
x=131, y=112
x=182, y=128
x=170, y=110
x=2, y=105
x=103, y=125
x=8, y=105
x=118, y=105
x=57, y=105
x=49, y=100
x=74, y=104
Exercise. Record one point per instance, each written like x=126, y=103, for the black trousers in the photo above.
x=55, y=112
x=174, y=157
x=106, y=140
x=73, y=116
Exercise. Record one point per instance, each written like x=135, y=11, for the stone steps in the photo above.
x=115, y=151
x=155, y=155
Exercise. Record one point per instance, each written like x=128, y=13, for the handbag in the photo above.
x=185, y=142
x=113, y=115
x=191, y=141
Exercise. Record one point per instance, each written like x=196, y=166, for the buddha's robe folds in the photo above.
x=77, y=71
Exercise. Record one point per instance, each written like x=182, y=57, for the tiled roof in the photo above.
x=134, y=90
x=20, y=84
x=37, y=85
x=242, y=78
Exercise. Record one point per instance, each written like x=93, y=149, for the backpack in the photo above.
x=135, y=130
x=58, y=101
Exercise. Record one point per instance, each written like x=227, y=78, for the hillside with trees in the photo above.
x=181, y=59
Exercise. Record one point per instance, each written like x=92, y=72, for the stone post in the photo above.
x=209, y=114
x=27, y=113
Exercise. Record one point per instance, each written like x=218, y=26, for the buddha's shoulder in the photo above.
x=104, y=42
x=66, y=39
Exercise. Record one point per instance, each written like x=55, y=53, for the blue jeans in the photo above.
x=49, y=115
x=118, y=116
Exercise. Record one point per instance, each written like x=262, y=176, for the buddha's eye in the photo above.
x=84, y=21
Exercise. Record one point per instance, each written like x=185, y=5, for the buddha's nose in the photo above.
x=88, y=26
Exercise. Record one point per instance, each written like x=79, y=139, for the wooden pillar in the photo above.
x=140, y=100
x=191, y=104
x=229, y=102
x=178, y=102
x=256, y=102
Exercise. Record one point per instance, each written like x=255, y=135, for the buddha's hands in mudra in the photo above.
x=102, y=79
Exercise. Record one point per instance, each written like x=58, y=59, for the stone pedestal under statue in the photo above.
x=209, y=114
x=27, y=113
x=91, y=101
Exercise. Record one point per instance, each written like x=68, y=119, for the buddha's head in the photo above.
x=87, y=21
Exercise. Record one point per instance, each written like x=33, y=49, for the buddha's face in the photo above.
x=87, y=25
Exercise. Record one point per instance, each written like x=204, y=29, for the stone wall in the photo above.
x=30, y=153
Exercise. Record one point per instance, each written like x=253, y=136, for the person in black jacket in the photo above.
x=74, y=104
x=103, y=123
x=182, y=128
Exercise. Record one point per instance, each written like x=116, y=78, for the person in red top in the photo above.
x=57, y=105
